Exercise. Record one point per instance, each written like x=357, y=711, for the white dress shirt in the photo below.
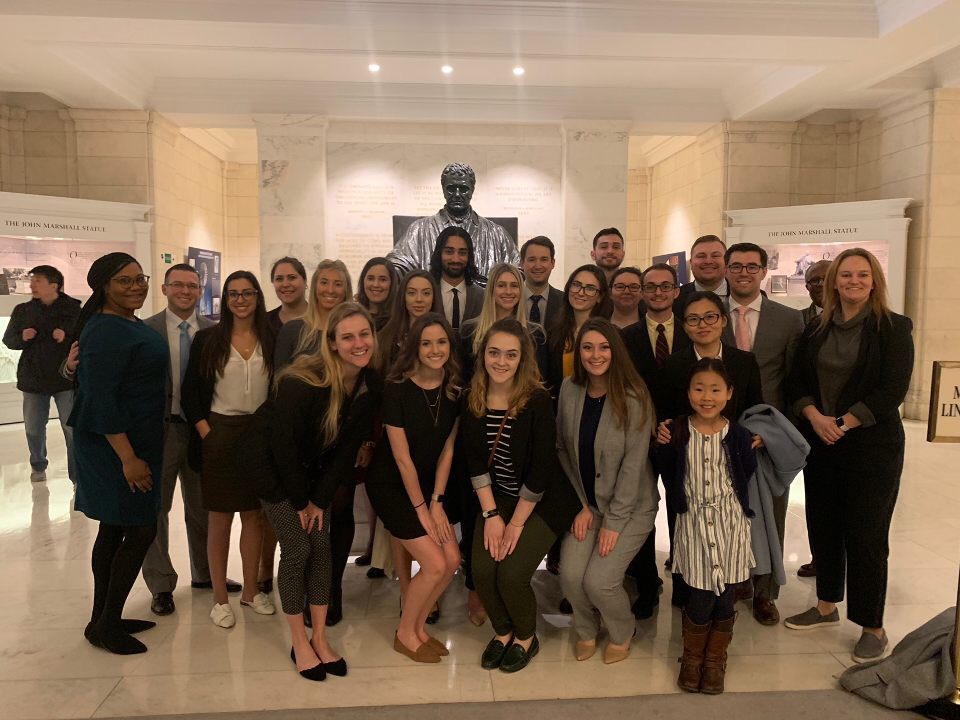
x=753, y=316
x=446, y=294
x=243, y=386
x=723, y=289
x=173, y=341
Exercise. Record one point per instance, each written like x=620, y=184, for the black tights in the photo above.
x=342, y=528
x=704, y=606
x=116, y=560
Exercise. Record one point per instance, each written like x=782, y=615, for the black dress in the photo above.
x=406, y=405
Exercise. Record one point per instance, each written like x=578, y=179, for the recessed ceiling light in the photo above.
x=446, y=69
x=518, y=71
x=373, y=67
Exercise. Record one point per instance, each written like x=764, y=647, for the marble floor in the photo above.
x=47, y=670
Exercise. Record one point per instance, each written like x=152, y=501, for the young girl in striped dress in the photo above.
x=707, y=466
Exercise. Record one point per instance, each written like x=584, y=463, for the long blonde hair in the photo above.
x=879, y=305
x=313, y=323
x=324, y=368
x=525, y=381
x=488, y=313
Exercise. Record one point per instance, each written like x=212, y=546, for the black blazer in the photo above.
x=879, y=380
x=637, y=340
x=305, y=470
x=533, y=450
x=670, y=395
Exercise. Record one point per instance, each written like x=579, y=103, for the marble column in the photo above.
x=293, y=182
x=594, y=186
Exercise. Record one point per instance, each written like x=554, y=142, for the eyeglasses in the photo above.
x=177, y=285
x=694, y=320
x=623, y=287
x=125, y=281
x=589, y=290
x=245, y=294
x=751, y=268
x=663, y=287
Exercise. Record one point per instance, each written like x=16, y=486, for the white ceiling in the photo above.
x=671, y=67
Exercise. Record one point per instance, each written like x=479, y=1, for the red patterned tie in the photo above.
x=662, y=351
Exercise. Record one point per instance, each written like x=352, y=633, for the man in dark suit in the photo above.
x=708, y=268
x=650, y=342
x=814, y=277
x=543, y=303
x=177, y=324
x=771, y=332
x=454, y=267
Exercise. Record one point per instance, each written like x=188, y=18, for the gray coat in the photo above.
x=779, y=461
x=625, y=485
x=774, y=345
x=158, y=322
x=918, y=670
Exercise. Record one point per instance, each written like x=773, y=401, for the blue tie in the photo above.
x=184, y=349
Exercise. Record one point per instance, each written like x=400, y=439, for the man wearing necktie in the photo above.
x=650, y=342
x=177, y=324
x=771, y=331
x=453, y=266
x=542, y=302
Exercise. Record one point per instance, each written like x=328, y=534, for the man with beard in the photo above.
x=708, y=268
x=608, y=251
x=492, y=243
x=814, y=278
x=452, y=264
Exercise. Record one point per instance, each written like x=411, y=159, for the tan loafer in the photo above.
x=585, y=649
x=614, y=654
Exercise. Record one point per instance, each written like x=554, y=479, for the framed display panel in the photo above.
x=69, y=234
x=795, y=237
x=943, y=424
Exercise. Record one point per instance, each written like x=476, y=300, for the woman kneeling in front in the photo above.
x=604, y=421
x=509, y=435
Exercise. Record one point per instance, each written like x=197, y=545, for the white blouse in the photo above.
x=243, y=386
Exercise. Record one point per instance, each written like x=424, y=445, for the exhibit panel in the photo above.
x=69, y=234
x=796, y=237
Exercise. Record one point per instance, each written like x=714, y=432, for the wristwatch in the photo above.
x=436, y=498
x=487, y=514
x=841, y=424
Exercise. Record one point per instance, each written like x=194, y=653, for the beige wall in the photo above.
x=132, y=156
x=637, y=232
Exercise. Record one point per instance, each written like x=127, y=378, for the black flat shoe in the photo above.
x=362, y=560
x=516, y=658
x=433, y=616
x=232, y=585
x=337, y=668
x=493, y=654
x=264, y=586
x=375, y=573
x=316, y=673
x=163, y=604
x=132, y=627
x=117, y=642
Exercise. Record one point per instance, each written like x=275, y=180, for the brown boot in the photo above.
x=715, y=660
x=694, y=642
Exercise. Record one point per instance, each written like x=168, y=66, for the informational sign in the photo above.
x=19, y=254
x=207, y=263
x=678, y=261
x=944, y=421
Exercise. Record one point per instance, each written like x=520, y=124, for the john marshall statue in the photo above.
x=491, y=243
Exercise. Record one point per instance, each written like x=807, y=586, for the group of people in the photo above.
x=491, y=427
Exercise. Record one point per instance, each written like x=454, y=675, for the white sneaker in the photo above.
x=222, y=615
x=261, y=604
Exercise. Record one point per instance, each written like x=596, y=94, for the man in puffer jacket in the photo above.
x=780, y=459
x=42, y=329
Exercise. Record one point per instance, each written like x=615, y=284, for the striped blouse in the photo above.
x=712, y=539
x=502, y=471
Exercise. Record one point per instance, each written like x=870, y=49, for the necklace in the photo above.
x=433, y=407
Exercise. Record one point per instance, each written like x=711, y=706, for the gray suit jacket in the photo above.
x=774, y=345
x=625, y=485
x=474, y=303
x=158, y=322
